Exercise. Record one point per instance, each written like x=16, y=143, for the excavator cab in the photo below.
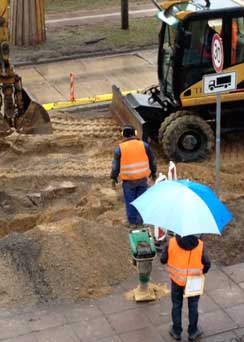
x=185, y=45
x=176, y=113
x=18, y=110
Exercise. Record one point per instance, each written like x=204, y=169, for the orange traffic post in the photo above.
x=72, y=86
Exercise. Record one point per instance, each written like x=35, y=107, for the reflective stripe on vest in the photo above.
x=183, y=263
x=134, y=162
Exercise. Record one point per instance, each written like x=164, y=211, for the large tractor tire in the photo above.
x=167, y=121
x=188, y=138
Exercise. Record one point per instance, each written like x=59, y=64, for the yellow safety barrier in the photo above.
x=85, y=100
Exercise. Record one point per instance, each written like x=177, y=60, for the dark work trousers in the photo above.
x=177, y=303
x=132, y=190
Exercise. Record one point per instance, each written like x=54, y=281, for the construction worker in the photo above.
x=133, y=162
x=185, y=256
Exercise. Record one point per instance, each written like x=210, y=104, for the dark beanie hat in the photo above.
x=128, y=131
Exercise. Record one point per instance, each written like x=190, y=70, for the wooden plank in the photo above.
x=43, y=20
x=19, y=23
x=13, y=17
x=26, y=23
x=38, y=21
x=33, y=36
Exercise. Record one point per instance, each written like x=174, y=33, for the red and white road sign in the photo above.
x=217, y=51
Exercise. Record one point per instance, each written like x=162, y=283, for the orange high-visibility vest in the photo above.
x=183, y=263
x=134, y=163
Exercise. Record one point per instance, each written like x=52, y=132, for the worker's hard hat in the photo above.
x=128, y=131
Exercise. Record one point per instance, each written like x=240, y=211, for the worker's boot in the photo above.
x=194, y=337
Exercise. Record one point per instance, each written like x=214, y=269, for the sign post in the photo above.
x=218, y=62
x=215, y=84
x=218, y=137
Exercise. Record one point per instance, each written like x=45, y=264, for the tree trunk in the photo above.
x=27, y=22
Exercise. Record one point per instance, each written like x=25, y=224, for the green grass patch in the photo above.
x=71, y=5
x=77, y=40
x=141, y=32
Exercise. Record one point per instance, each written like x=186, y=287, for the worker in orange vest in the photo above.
x=134, y=162
x=185, y=256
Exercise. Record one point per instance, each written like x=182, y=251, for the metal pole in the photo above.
x=157, y=4
x=124, y=15
x=218, y=125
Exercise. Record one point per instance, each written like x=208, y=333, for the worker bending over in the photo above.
x=133, y=162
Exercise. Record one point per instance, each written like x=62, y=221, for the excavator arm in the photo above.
x=18, y=110
x=3, y=20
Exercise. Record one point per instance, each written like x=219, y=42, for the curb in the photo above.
x=99, y=53
x=85, y=101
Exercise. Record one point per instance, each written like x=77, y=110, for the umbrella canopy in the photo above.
x=184, y=207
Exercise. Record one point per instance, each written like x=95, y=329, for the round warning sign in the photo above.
x=217, y=53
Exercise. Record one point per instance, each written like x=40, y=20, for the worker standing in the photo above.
x=185, y=256
x=134, y=162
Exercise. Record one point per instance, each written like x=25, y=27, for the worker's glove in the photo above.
x=114, y=182
x=153, y=176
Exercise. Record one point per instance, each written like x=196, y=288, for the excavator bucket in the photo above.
x=35, y=119
x=139, y=110
x=122, y=109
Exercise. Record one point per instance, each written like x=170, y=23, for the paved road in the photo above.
x=116, y=319
x=93, y=76
x=50, y=82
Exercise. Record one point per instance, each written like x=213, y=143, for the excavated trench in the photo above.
x=63, y=229
x=50, y=232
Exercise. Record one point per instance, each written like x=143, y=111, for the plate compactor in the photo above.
x=143, y=252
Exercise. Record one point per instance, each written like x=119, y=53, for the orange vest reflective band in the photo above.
x=134, y=162
x=183, y=263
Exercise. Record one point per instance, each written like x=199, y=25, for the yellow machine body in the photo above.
x=177, y=113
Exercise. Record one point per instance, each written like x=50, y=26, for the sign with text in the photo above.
x=219, y=83
x=217, y=51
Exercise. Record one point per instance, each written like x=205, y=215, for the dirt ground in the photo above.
x=72, y=243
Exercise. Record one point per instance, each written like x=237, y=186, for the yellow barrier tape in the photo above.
x=85, y=100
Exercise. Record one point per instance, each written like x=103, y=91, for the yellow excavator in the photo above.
x=177, y=113
x=18, y=110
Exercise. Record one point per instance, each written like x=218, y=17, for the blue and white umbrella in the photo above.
x=184, y=207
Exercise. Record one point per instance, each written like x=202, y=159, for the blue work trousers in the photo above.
x=177, y=302
x=132, y=190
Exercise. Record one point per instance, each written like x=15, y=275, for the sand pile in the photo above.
x=68, y=259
